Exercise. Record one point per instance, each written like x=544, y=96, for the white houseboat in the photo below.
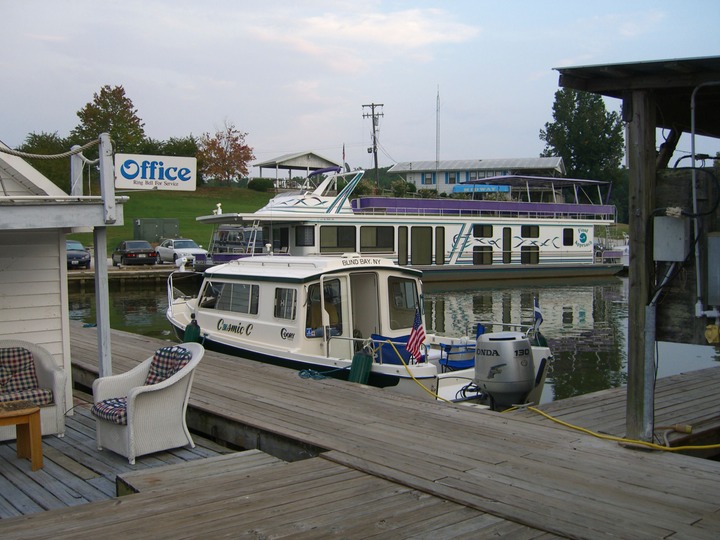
x=529, y=229
x=352, y=317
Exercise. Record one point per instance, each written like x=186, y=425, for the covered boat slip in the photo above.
x=526, y=474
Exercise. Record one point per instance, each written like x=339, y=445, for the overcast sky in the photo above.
x=294, y=75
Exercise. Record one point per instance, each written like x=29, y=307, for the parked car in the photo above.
x=134, y=252
x=77, y=255
x=172, y=249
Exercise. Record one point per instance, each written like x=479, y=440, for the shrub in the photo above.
x=261, y=184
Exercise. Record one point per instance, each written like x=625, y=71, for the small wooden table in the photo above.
x=25, y=415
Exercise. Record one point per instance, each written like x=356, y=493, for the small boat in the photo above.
x=349, y=316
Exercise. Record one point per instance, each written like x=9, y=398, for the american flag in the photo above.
x=417, y=337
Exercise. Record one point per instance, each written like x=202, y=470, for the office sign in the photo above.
x=135, y=171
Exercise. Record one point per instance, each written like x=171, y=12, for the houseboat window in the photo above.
x=482, y=231
x=337, y=239
x=439, y=245
x=403, y=302
x=304, y=236
x=421, y=245
x=427, y=178
x=530, y=255
x=377, y=239
x=333, y=306
x=285, y=303
x=281, y=239
x=482, y=255
x=402, y=245
x=568, y=237
x=238, y=297
x=530, y=231
x=507, y=245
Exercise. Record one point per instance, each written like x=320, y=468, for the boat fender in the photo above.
x=192, y=331
x=360, y=367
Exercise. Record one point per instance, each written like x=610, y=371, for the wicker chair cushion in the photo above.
x=17, y=370
x=166, y=362
x=113, y=410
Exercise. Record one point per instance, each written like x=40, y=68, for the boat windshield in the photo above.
x=403, y=302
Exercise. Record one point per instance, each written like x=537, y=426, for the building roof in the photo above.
x=672, y=83
x=304, y=161
x=552, y=165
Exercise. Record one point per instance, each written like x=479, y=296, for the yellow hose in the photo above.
x=413, y=376
x=621, y=439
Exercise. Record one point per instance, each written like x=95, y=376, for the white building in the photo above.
x=35, y=216
x=443, y=176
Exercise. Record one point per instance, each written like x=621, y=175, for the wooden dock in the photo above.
x=509, y=474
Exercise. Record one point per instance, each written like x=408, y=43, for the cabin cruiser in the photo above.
x=348, y=316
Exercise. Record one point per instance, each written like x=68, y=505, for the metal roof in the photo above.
x=672, y=83
x=550, y=164
x=299, y=161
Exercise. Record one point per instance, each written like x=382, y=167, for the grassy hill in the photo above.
x=184, y=206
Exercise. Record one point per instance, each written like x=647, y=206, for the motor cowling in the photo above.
x=504, y=367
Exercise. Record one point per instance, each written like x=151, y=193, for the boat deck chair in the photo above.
x=29, y=372
x=143, y=410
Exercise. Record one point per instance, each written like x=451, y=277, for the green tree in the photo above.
x=224, y=156
x=110, y=111
x=47, y=144
x=585, y=135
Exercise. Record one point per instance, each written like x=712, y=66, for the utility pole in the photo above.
x=374, y=115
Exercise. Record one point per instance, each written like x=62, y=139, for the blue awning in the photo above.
x=480, y=188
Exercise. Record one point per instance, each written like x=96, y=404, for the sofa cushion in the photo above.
x=166, y=362
x=113, y=410
x=17, y=370
x=39, y=396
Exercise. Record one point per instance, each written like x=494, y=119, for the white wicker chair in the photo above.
x=155, y=412
x=49, y=376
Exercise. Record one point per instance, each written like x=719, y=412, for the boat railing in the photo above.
x=488, y=209
x=394, y=348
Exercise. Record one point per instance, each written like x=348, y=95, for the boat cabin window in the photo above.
x=530, y=231
x=403, y=302
x=337, y=239
x=482, y=230
x=237, y=297
x=530, y=255
x=568, y=237
x=377, y=239
x=304, y=236
x=285, y=303
x=333, y=306
x=482, y=255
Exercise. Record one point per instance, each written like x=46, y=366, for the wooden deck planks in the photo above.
x=514, y=472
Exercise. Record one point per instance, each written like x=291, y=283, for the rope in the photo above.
x=433, y=394
x=621, y=439
x=54, y=156
x=317, y=375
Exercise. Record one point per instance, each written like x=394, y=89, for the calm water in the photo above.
x=585, y=324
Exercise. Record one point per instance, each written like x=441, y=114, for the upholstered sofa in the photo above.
x=29, y=372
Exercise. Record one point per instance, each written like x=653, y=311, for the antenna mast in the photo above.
x=437, y=132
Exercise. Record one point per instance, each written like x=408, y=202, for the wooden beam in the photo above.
x=641, y=157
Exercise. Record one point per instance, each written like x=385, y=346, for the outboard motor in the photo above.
x=504, y=367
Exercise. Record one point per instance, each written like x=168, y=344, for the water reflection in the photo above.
x=584, y=323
